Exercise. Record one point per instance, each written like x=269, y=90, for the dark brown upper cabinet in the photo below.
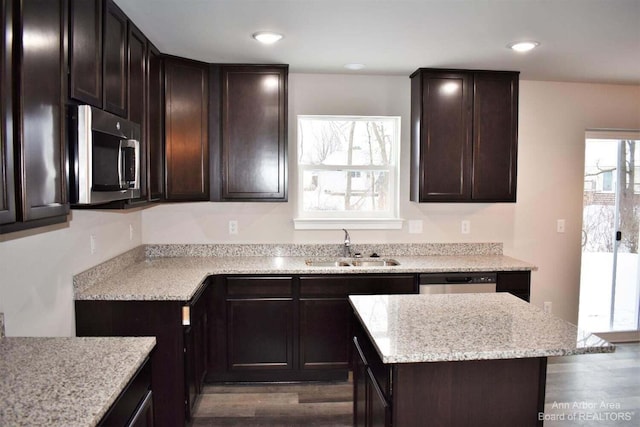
x=155, y=123
x=85, y=51
x=186, y=130
x=39, y=95
x=7, y=188
x=137, y=60
x=115, y=60
x=254, y=133
x=463, y=135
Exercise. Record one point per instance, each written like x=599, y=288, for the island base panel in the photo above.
x=494, y=393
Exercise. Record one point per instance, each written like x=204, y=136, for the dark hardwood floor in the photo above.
x=594, y=389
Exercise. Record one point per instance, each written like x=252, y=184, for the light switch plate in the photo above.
x=560, y=226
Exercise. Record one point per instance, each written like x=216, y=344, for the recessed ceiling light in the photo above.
x=523, y=46
x=354, y=66
x=267, y=37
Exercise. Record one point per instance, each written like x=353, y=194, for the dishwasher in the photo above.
x=457, y=283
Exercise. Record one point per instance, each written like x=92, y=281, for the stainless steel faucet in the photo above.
x=346, y=250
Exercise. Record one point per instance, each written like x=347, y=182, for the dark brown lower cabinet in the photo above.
x=517, y=283
x=259, y=335
x=134, y=406
x=174, y=360
x=324, y=333
x=281, y=328
x=507, y=392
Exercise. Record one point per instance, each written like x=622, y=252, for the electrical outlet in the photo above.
x=547, y=307
x=465, y=227
x=92, y=243
x=560, y=226
x=233, y=227
x=415, y=226
x=130, y=232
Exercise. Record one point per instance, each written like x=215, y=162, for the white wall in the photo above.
x=36, y=266
x=553, y=118
x=36, y=292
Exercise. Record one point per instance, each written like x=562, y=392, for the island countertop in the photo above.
x=457, y=327
x=179, y=278
x=65, y=381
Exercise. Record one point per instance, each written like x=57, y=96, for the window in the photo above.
x=348, y=172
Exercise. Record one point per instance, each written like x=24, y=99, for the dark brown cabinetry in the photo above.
x=463, y=135
x=39, y=91
x=186, y=130
x=7, y=186
x=99, y=55
x=517, y=283
x=137, y=61
x=254, y=133
x=115, y=60
x=155, y=123
x=288, y=328
x=325, y=314
x=176, y=362
x=134, y=406
x=260, y=323
x=85, y=51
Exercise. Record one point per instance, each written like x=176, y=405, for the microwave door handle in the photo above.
x=120, y=164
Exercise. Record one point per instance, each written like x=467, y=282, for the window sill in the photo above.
x=350, y=223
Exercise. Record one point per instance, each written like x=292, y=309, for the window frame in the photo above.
x=354, y=219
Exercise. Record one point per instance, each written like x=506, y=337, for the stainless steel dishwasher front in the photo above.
x=457, y=283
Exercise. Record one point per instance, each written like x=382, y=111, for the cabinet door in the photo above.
x=378, y=410
x=186, y=130
x=137, y=96
x=325, y=332
x=495, y=136
x=85, y=51
x=359, y=386
x=155, y=123
x=441, y=147
x=41, y=124
x=115, y=60
x=259, y=334
x=254, y=133
x=7, y=189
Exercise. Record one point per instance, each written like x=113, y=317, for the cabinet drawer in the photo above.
x=341, y=286
x=259, y=286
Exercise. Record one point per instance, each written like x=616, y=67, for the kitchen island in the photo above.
x=454, y=360
x=74, y=381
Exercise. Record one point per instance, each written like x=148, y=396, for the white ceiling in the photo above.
x=581, y=40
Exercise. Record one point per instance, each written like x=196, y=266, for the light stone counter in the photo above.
x=435, y=328
x=178, y=279
x=65, y=381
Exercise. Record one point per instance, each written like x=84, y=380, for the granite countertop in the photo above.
x=180, y=278
x=65, y=381
x=435, y=328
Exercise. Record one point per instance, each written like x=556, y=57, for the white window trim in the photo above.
x=355, y=220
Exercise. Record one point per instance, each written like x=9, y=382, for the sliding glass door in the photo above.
x=610, y=275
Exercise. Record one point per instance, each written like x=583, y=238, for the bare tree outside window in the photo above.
x=348, y=165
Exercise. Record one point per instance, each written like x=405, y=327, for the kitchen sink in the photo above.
x=352, y=263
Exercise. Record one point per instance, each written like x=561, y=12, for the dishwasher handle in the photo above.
x=466, y=279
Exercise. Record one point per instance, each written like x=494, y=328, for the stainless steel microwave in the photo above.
x=104, y=155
